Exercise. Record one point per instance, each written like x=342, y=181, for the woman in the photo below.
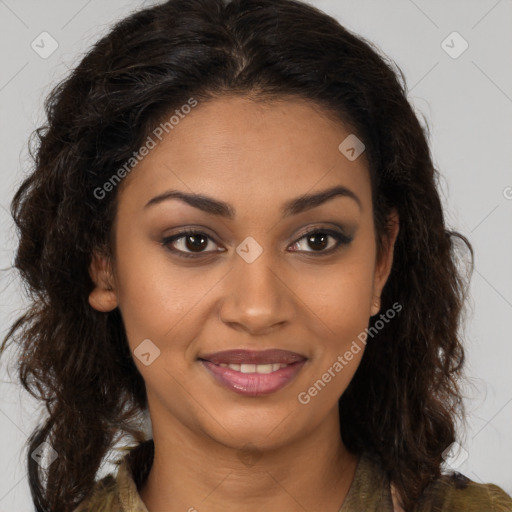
x=233, y=225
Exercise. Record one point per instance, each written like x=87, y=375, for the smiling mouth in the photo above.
x=253, y=380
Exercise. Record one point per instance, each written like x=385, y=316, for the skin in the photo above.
x=254, y=156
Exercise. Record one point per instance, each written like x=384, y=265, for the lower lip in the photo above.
x=254, y=384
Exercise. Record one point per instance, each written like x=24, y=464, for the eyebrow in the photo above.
x=222, y=209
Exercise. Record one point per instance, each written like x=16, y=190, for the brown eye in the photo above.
x=318, y=240
x=189, y=243
x=196, y=243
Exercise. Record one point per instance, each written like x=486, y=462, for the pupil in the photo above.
x=314, y=238
x=197, y=241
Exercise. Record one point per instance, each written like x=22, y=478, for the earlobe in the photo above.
x=375, y=306
x=103, y=296
x=102, y=300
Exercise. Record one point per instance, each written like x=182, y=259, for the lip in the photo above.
x=241, y=356
x=254, y=384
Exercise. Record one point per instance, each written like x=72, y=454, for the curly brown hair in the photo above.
x=404, y=399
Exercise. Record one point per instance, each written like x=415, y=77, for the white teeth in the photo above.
x=254, y=368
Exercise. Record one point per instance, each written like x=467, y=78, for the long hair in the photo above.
x=404, y=399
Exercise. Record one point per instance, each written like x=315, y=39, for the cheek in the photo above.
x=154, y=305
x=341, y=297
x=348, y=309
x=340, y=300
x=153, y=295
x=342, y=316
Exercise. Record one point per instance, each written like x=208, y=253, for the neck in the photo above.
x=193, y=472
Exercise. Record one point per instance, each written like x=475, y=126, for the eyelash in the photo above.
x=340, y=238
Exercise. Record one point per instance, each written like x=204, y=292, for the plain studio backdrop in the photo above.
x=457, y=59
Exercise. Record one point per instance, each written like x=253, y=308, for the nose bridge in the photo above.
x=256, y=298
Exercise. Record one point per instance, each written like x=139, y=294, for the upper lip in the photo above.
x=241, y=356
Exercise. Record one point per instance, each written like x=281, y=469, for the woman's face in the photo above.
x=262, y=270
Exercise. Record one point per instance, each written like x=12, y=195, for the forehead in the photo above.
x=250, y=153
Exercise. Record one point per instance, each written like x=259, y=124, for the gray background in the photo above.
x=467, y=102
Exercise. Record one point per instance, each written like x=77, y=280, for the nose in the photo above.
x=256, y=297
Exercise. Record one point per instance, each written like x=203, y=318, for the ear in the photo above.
x=383, y=266
x=103, y=296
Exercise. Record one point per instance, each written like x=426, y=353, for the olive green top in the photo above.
x=369, y=492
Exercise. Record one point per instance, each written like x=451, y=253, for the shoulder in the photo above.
x=102, y=498
x=456, y=492
x=119, y=492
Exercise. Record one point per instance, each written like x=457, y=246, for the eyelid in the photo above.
x=338, y=231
